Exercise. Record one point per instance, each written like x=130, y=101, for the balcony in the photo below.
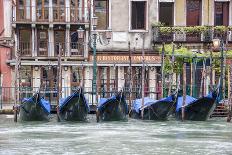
x=33, y=14
x=51, y=49
x=191, y=34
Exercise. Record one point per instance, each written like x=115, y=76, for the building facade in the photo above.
x=43, y=28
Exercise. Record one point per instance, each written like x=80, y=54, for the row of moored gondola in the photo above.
x=76, y=108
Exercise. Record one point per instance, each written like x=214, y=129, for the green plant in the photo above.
x=157, y=24
x=229, y=28
x=220, y=29
x=195, y=29
x=165, y=30
x=177, y=29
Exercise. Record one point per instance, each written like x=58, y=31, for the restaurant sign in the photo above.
x=125, y=59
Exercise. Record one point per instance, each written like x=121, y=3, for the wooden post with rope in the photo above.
x=184, y=93
x=59, y=76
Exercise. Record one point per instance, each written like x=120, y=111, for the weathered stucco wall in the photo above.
x=120, y=18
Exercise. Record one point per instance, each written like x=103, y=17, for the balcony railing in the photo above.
x=197, y=34
x=25, y=48
x=50, y=14
x=51, y=49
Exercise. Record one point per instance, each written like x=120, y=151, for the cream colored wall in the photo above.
x=208, y=12
x=180, y=13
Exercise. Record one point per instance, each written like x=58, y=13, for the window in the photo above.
x=58, y=10
x=102, y=12
x=42, y=9
x=221, y=13
x=138, y=15
x=166, y=13
x=75, y=10
x=59, y=37
x=77, y=46
x=77, y=73
x=25, y=42
x=24, y=9
x=26, y=76
x=42, y=43
x=193, y=12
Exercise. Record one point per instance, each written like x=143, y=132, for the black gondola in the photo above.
x=74, y=107
x=197, y=109
x=153, y=109
x=34, y=109
x=112, y=109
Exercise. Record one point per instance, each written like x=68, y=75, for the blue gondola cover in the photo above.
x=189, y=100
x=104, y=101
x=42, y=102
x=137, y=105
x=65, y=101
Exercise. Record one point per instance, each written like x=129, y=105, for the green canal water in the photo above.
x=131, y=137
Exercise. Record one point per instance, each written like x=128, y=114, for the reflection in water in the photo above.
x=132, y=137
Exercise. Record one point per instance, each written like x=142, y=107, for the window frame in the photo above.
x=200, y=13
x=173, y=11
x=229, y=12
x=59, y=9
x=42, y=11
x=24, y=10
x=108, y=17
x=38, y=41
x=130, y=15
x=22, y=44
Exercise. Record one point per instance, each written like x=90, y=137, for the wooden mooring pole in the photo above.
x=59, y=76
x=184, y=93
x=229, y=115
x=130, y=75
x=143, y=75
x=16, y=84
x=162, y=72
x=171, y=75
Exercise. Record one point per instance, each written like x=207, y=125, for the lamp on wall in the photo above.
x=216, y=44
x=80, y=32
x=108, y=34
x=36, y=68
x=94, y=21
x=66, y=68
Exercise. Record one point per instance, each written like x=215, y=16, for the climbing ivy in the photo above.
x=184, y=55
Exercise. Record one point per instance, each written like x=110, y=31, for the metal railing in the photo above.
x=25, y=48
x=51, y=49
x=50, y=14
x=190, y=34
x=51, y=93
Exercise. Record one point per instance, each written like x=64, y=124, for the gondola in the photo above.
x=74, y=107
x=34, y=109
x=114, y=108
x=196, y=109
x=153, y=109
